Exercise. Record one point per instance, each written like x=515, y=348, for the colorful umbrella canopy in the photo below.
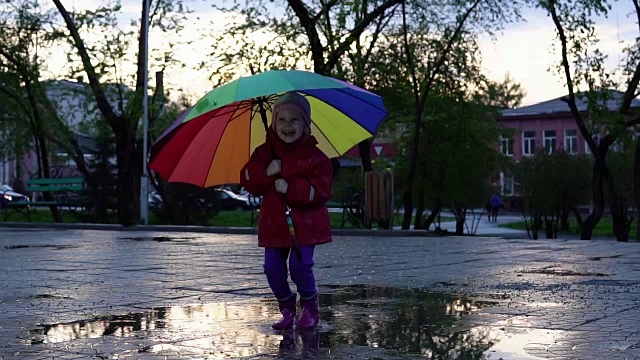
x=209, y=143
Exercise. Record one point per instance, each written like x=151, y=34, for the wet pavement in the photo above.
x=77, y=294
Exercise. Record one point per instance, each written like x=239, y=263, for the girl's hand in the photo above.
x=282, y=186
x=273, y=168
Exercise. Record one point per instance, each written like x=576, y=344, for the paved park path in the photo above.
x=76, y=294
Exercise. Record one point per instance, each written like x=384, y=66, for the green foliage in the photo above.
x=500, y=95
x=15, y=133
x=255, y=37
x=583, y=65
x=186, y=204
x=104, y=192
x=552, y=184
x=620, y=160
x=620, y=192
x=603, y=229
x=460, y=141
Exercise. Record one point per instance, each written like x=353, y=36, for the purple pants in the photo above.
x=275, y=267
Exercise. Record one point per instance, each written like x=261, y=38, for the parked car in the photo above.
x=8, y=195
x=254, y=201
x=232, y=201
x=155, y=200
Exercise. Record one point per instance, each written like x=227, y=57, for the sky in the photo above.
x=523, y=50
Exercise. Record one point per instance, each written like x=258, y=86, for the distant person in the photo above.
x=290, y=167
x=496, y=204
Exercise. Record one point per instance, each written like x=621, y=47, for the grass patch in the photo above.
x=243, y=219
x=603, y=229
x=223, y=218
x=39, y=216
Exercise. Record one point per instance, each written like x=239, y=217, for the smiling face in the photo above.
x=289, y=125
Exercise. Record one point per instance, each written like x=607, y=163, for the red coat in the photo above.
x=309, y=174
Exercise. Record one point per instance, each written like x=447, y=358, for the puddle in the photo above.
x=598, y=258
x=48, y=296
x=516, y=342
x=159, y=239
x=376, y=321
x=560, y=272
x=54, y=247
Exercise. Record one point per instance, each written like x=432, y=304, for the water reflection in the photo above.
x=403, y=320
x=303, y=344
x=406, y=320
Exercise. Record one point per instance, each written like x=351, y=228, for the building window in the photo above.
x=571, y=141
x=506, y=145
x=528, y=142
x=506, y=182
x=596, y=138
x=549, y=139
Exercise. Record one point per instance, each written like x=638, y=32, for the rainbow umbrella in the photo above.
x=209, y=143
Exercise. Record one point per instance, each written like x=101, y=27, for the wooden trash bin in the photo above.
x=379, y=198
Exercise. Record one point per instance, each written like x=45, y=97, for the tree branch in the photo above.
x=410, y=65
x=636, y=4
x=434, y=72
x=334, y=57
x=101, y=99
x=384, y=21
x=629, y=95
x=571, y=100
x=309, y=25
x=326, y=7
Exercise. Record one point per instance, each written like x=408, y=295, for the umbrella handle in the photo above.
x=296, y=245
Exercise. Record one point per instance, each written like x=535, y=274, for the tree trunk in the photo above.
x=460, y=219
x=551, y=225
x=418, y=223
x=578, y=216
x=536, y=226
x=365, y=155
x=413, y=164
x=619, y=213
x=129, y=174
x=430, y=219
x=636, y=186
x=564, y=219
x=600, y=170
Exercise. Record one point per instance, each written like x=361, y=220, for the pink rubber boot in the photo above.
x=288, y=310
x=309, y=314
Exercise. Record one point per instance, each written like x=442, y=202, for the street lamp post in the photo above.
x=144, y=183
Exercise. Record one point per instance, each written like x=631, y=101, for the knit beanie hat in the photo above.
x=293, y=100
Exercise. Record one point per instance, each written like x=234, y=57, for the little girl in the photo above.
x=289, y=170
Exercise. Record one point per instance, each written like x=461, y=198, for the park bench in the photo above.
x=374, y=204
x=352, y=205
x=68, y=192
